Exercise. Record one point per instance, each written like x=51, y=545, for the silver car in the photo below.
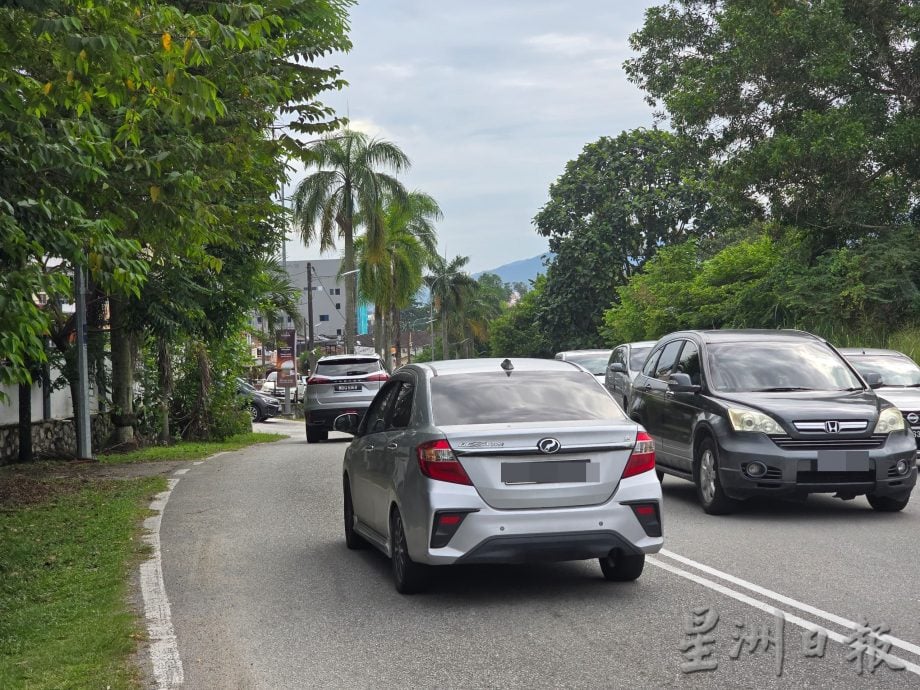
x=499, y=461
x=594, y=361
x=340, y=384
x=898, y=382
x=625, y=363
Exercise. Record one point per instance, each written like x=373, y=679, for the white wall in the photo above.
x=61, y=403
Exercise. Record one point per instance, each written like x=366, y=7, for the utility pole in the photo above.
x=84, y=433
x=310, y=305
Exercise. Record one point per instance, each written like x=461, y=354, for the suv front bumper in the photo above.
x=795, y=472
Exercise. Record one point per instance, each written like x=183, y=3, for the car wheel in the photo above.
x=622, y=567
x=316, y=435
x=254, y=414
x=708, y=484
x=409, y=577
x=888, y=504
x=353, y=540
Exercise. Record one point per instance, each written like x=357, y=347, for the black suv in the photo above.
x=746, y=412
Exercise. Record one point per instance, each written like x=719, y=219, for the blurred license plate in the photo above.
x=545, y=472
x=916, y=432
x=343, y=387
x=843, y=461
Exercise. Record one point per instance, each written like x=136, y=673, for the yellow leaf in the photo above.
x=87, y=96
x=130, y=84
x=82, y=55
x=167, y=42
x=47, y=88
x=170, y=78
x=154, y=192
x=70, y=77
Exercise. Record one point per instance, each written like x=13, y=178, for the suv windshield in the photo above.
x=637, y=357
x=529, y=396
x=895, y=371
x=778, y=366
x=356, y=366
x=593, y=362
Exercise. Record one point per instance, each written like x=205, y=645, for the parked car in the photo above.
x=491, y=461
x=899, y=381
x=746, y=413
x=340, y=384
x=594, y=361
x=624, y=365
x=270, y=387
x=260, y=406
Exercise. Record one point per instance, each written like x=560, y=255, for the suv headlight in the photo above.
x=890, y=419
x=749, y=420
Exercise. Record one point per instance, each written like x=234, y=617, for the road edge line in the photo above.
x=163, y=646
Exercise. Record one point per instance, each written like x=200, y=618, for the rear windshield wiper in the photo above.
x=780, y=389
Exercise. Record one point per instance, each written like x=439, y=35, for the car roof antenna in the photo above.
x=507, y=366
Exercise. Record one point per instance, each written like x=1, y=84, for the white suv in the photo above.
x=340, y=384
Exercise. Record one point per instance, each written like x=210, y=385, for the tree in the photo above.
x=349, y=184
x=517, y=332
x=811, y=107
x=449, y=287
x=616, y=204
x=390, y=273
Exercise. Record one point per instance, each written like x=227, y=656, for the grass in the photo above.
x=190, y=450
x=64, y=567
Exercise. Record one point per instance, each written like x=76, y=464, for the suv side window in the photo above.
x=666, y=362
x=374, y=417
x=401, y=410
x=651, y=363
x=689, y=363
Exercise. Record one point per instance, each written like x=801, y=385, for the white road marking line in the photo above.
x=180, y=472
x=788, y=601
x=164, y=651
x=772, y=610
x=217, y=455
x=198, y=463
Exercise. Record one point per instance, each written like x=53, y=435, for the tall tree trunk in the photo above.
x=444, y=353
x=397, y=336
x=379, y=336
x=165, y=384
x=25, y=423
x=348, y=261
x=122, y=373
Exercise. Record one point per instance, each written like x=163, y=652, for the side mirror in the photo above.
x=873, y=378
x=346, y=423
x=617, y=368
x=681, y=383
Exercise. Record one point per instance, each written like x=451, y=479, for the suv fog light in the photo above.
x=755, y=470
x=902, y=467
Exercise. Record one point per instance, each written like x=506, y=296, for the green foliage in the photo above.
x=190, y=450
x=517, y=333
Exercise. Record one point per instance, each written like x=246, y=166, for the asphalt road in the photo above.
x=264, y=593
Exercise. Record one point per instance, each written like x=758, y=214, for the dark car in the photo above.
x=899, y=380
x=624, y=366
x=260, y=405
x=746, y=413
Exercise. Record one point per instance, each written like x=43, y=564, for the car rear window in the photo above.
x=637, y=357
x=528, y=396
x=593, y=362
x=349, y=367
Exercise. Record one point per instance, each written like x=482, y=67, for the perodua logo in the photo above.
x=548, y=445
x=832, y=426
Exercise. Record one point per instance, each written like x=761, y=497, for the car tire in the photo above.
x=254, y=414
x=409, y=577
x=708, y=484
x=353, y=540
x=316, y=435
x=888, y=504
x=622, y=567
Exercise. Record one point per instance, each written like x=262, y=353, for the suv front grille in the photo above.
x=789, y=443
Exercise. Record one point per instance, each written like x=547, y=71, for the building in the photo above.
x=328, y=306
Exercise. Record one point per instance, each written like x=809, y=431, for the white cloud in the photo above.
x=396, y=70
x=575, y=45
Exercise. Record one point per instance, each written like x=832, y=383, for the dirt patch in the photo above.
x=39, y=482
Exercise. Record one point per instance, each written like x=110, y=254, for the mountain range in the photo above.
x=523, y=270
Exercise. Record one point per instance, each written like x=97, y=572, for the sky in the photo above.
x=489, y=100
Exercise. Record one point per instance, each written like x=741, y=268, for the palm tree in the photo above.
x=390, y=273
x=449, y=285
x=348, y=183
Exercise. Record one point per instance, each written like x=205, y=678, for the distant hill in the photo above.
x=523, y=270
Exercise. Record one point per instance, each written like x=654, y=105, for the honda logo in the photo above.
x=832, y=426
x=548, y=445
